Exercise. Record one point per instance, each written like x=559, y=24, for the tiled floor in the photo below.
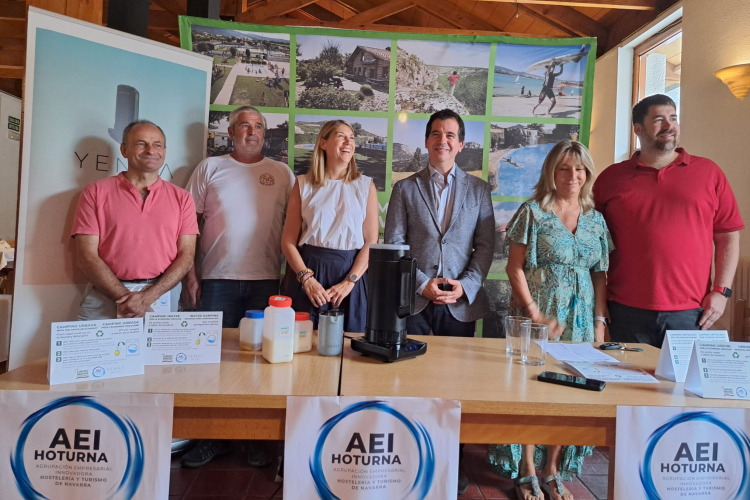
x=230, y=478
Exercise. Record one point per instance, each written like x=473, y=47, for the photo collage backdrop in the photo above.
x=387, y=85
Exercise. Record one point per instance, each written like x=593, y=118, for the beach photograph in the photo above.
x=432, y=75
x=504, y=211
x=410, y=155
x=536, y=80
x=250, y=69
x=343, y=73
x=498, y=292
x=517, y=153
x=275, y=142
x=370, y=136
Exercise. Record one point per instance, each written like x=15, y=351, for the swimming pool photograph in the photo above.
x=517, y=154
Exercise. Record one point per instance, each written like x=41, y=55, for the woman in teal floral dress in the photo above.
x=559, y=252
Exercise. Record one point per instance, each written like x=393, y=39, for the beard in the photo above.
x=666, y=145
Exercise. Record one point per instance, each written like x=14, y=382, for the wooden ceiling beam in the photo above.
x=358, y=6
x=272, y=9
x=7, y=71
x=162, y=19
x=455, y=15
x=597, y=4
x=375, y=14
x=176, y=7
x=285, y=21
x=321, y=13
x=13, y=27
x=12, y=9
x=579, y=23
x=532, y=13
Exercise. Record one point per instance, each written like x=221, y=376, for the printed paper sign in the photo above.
x=371, y=448
x=677, y=348
x=676, y=453
x=719, y=370
x=75, y=446
x=90, y=350
x=183, y=338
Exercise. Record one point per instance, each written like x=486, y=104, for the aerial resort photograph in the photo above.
x=250, y=69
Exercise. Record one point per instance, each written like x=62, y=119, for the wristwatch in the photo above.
x=353, y=278
x=726, y=292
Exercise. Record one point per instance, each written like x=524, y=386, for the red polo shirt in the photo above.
x=137, y=239
x=662, y=223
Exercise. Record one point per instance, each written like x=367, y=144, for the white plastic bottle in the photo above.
x=303, y=330
x=251, y=331
x=278, y=330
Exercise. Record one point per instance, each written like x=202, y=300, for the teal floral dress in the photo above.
x=558, y=271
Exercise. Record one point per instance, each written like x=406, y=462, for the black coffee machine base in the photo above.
x=391, y=352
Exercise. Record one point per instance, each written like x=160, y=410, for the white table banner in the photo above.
x=76, y=446
x=675, y=453
x=371, y=448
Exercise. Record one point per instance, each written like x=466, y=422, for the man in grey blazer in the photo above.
x=446, y=218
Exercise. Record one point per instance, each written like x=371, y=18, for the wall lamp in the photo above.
x=737, y=78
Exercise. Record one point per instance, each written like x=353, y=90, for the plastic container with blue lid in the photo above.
x=251, y=331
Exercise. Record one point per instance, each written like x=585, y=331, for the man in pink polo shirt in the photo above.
x=666, y=211
x=135, y=234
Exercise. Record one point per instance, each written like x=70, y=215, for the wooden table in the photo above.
x=243, y=397
x=501, y=400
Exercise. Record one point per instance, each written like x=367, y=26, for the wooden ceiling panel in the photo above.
x=502, y=15
x=518, y=24
x=591, y=12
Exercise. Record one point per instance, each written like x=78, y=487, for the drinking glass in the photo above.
x=534, y=346
x=516, y=330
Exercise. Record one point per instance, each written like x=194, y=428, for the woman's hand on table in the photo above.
x=338, y=292
x=315, y=292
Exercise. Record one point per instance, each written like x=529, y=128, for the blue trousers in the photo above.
x=439, y=320
x=234, y=297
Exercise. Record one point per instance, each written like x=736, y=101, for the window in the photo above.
x=657, y=68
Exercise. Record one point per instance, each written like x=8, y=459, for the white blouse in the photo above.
x=333, y=215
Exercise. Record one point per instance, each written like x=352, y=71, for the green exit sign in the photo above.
x=14, y=124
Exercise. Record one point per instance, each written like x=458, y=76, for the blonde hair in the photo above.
x=318, y=164
x=545, y=190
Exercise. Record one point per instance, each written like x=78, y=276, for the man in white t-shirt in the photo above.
x=241, y=199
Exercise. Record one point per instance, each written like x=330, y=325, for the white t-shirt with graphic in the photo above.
x=243, y=206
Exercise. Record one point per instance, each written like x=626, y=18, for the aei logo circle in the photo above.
x=126, y=486
x=696, y=454
x=353, y=452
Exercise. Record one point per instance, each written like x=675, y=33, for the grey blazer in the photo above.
x=467, y=246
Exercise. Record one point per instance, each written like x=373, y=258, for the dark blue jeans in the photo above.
x=439, y=320
x=234, y=297
x=643, y=326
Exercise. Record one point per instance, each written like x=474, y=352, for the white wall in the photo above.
x=11, y=149
x=715, y=124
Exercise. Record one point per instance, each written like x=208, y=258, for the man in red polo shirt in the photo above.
x=134, y=233
x=666, y=210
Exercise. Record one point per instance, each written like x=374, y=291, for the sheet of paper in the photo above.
x=580, y=352
x=89, y=350
x=612, y=372
x=677, y=347
x=183, y=338
x=719, y=370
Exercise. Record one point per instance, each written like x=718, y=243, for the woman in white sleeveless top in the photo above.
x=331, y=221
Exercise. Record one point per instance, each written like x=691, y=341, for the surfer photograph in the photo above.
x=550, y=72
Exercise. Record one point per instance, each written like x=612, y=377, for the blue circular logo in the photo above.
x=735, y=436
x=133, y=473
x=742, y=392
x=426, y=467
x=133, y=348
x=98, y=372
x=181, y=358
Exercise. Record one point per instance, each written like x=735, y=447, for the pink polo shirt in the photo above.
x=137, y=239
